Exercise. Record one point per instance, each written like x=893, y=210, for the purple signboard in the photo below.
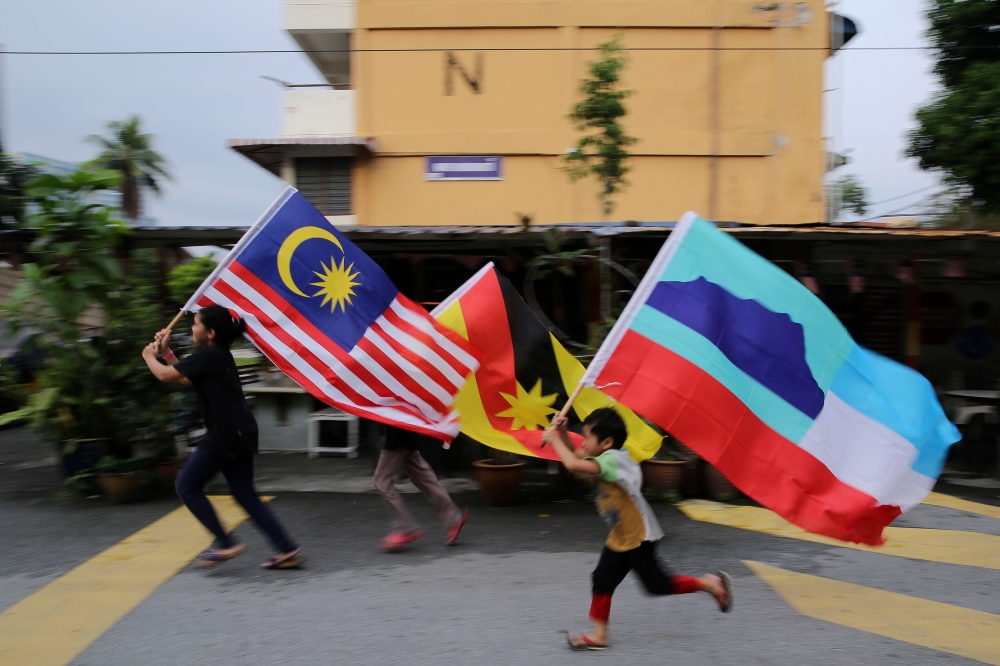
x=462, y=167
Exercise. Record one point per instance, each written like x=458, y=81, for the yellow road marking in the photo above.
x=946, y=546
x=949, y=502
x=56, y=623
x=931, y=624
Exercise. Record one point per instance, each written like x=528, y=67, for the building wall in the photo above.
x=759, y=110
x=734, y=133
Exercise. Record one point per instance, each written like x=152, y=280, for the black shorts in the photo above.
x=613, y=567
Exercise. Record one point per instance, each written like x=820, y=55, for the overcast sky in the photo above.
x=193, y=104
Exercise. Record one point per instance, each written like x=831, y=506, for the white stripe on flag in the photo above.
x=315, y=377
x=389, y=380
x=866, y=455
x=427, y=326
x=335, y=366
x=422, y=350
x=445, y=396
x=285, y=323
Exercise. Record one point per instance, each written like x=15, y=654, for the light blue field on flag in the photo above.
x=706, y=252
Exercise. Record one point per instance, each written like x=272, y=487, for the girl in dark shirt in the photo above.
x=231, y=435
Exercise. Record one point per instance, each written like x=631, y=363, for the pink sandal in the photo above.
x=398, y=540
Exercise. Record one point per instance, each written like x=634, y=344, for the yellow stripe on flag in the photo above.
x=931, y=624
x=642, y=440
x=56, y=623
x=475, y=422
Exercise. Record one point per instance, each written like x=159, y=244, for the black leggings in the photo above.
x=201, y=466
x=613, y=567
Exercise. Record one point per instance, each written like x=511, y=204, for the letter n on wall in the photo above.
x=453, y=66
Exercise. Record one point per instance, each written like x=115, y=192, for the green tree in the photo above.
x=958, y=133
x=92, y=385
x=185, y=279
x=14, y=177
x=128, y=151
x=601, y=152
x=852, y=196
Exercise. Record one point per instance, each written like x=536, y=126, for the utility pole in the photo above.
x=3, y=98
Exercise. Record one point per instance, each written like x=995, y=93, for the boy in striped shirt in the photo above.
x=634, y=530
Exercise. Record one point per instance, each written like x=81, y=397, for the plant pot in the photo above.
x=499, y=483
x=719, y=487
x=168, y=469
x=119, y=488
x=663, y=476
x=85, y=455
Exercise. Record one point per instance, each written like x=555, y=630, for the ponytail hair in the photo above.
x=227, y=328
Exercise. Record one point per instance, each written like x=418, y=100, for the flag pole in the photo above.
x=571, y=399
x=176, y=319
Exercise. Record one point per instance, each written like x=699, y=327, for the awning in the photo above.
x=270, y=153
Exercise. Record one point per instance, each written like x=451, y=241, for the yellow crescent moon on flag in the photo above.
x=291, y=244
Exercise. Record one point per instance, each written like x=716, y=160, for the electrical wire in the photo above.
x=493, y=49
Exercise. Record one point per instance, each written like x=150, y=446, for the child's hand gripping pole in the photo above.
x=565, y=409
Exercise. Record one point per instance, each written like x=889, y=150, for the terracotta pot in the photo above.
x=499, y=483
x=119, y=488
x=663, y=476
x=719, y=487
x=168, y=470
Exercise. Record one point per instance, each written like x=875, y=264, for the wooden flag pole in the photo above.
x=571, y=399
x=176, y=319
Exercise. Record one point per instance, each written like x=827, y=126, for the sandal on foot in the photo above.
x=727, y=583
x=211, y=558
x=397, y=540
x=454, y=530
x=290, y=561
x=583, y=642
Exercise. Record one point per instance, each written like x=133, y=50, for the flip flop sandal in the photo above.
x=582, y=642
x=455, y=530
x=727, y=583
x=212, y=558
x=290, y=562
x=397, y=540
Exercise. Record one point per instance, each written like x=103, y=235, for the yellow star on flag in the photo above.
x=336, y=284
x=530, y=409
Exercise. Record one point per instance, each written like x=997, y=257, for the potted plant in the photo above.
x=89, y=321
x=500, y=478
x=663, y=473
x=119, y=478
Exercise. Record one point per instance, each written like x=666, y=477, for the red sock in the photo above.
x=600, y=607
x=684, y=584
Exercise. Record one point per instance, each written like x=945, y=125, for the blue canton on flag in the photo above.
x=325, y=314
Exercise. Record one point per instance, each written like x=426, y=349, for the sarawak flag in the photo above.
x=738, y=360
x=325, y=314
x=525, y=376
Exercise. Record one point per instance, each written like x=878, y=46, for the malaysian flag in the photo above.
x=325, y=314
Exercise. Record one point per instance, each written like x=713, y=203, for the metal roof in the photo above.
x=416, y=238
x=270, y=153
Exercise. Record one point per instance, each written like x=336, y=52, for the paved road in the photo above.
x=519, y=576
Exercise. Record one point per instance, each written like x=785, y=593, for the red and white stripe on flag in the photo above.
x=405, y=371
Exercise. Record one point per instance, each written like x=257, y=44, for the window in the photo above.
x=325, y=182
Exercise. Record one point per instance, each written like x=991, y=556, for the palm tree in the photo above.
x=128, y=152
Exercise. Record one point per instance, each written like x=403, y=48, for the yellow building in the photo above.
x=726, y=104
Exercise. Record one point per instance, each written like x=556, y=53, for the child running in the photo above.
x=634, y=531
x=400, y=450
x=231, y=439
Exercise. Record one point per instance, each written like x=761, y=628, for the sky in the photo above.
x=193, y=104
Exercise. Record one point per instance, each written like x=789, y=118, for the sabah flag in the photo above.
x=325, y=314
x=739, y=361
x=525, y=376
